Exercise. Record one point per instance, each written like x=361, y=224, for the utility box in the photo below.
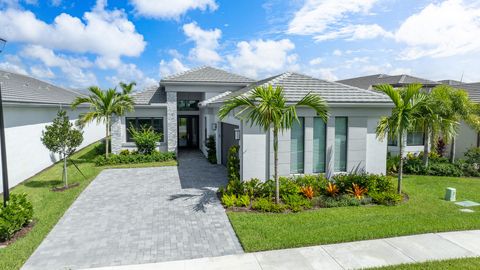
x=450, y=194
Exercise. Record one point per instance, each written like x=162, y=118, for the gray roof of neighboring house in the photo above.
x=296, y=86
x=207, y=75
x=151, y=94
x=451, y=82
x=473, y=90
x=24, y=89
x=366, y=82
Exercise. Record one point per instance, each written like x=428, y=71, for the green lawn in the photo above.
x=49, y=206
x=426, y=211
x=456, y=264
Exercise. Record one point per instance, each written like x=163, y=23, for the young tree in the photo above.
x=104, y=105
x=268, y=108
x=408, y=103
x=62, y=138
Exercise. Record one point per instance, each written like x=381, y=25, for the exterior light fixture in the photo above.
x=237, y=134
x=214, y=126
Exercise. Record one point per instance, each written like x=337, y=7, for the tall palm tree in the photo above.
x=127, y=89
x=455, y=105
x=103, y=105
x=268, y=108
x=408, y=103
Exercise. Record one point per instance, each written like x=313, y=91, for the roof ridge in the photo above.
x=183, y=72
x=358, y=88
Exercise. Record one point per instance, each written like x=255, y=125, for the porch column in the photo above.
x=172, y=136
x=116, y=136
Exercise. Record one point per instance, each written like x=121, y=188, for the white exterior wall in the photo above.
x=364, y=150
x=26, y=155
x=467, y=138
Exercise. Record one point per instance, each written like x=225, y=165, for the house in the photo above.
x=414, y=141
x=30, y=105
x=184, y=108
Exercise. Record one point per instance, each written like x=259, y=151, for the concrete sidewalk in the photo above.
x=353, y=255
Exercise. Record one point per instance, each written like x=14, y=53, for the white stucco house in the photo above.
x=184, y=108
x=30, y=105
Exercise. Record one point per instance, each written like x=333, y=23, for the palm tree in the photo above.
x=127, y=89
x=455, y=105
x=408, y=103
x=103, y=105
x=268, y=108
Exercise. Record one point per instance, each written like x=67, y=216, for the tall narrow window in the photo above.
x=319, y=142
x=297, y=146
x=341, y=129
x=415, y=138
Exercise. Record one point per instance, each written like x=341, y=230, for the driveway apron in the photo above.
x=136, y=216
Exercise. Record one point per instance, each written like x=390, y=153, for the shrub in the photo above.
x=267, y=189
x=253, y=187
x=332, y=189
x=288, y=187
x=357, y=191
x=371, y=182
x=443, y=169
x=134, y=158
x=235, y=187
x=392, y=164
x=243, y=201
x=386, y=198
x=472, y=156
x=266, y=205
x=229, y=200
x=211, y=149
x=17, y=214
x=100, y=148
x=468, y=169
x=296, y=202
x=124, y=152
x=339, y=201
x=317, y=182
x=308, y=192
x=233, y=163
x=145, y=139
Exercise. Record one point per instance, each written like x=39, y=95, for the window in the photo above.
x=341, y=129
x=319, y=145
x=415, y=138
x=139, y=122
x=187, y=105
x=297, y=146
x=392, y=141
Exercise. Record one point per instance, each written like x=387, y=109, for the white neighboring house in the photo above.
x=413, y=141
x=184, y=108
x=30, y=105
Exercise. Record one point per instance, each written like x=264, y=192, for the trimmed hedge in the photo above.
x=17, y=214
x=132, y=158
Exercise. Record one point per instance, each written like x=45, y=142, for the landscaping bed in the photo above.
x=424, y=212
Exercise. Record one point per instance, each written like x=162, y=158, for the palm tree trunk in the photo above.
x=65, y=176
x=400, y=165
x=275, y=169
x=426, y=147
x=107, y=135
x=452, y=151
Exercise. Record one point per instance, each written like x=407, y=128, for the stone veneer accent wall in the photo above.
x=116, y=134
x=172, y=121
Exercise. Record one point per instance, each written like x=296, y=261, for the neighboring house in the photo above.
x=414, y=141
x=184, y=107
x=30, y=105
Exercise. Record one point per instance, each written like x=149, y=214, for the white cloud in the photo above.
x=315, y=61
x=171, y=67
x=71, y=67
x=441, y=30
x=108, y=34
x=206, y=43
x=323, y=73
x=130, y=73
x=13, y=63
x=263, y=57
x=318, y=16
x=42, y=72
x=167, y=9
x=355, y=32
x=337, y=52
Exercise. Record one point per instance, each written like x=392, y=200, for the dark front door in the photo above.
x=228, y=140
x=188, y=131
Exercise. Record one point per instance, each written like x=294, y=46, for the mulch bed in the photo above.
x=63, y=188
x=24, y=231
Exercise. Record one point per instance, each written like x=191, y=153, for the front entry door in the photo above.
x=188, y=131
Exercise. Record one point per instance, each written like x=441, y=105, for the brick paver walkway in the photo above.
x=134, y=216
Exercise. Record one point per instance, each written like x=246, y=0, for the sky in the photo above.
x=77, y=44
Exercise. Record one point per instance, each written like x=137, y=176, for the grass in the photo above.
x=455, y=264
x=50, y=206
x=426, y=211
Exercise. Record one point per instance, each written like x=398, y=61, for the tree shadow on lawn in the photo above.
x=43, y=183
x=206, y=197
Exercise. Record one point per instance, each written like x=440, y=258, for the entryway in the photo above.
x=228, y=140
x=188, y=131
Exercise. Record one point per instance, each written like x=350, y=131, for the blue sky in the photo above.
x=81, y=43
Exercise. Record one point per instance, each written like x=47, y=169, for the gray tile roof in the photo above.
x=207, y=75
x=25, y=89
x=151, y=94
x=451, y=82
x=366, y=82
x=296, y=86
x=473, y=90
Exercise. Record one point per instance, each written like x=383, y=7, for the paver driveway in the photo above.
x=134, y=216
